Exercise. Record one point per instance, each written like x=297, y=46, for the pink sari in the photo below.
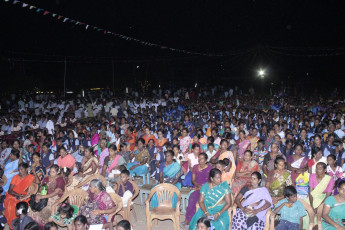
x=242, y=147
x=94, y=143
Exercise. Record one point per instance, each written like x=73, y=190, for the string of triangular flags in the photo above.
x=98, y=29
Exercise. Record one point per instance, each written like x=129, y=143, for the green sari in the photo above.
x=278, y=185
x=214, y=202
x=336, y=213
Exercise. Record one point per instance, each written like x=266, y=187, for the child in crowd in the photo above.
x=339, y=152
x=210, y=150
x=50, y=226
x=124, y=188
x=23, y=220
x=80, y=223
x=291, y=210
x=123, y=225
x=204, y=224
x=333, y=169
x=260, y=152
x=221, y=165
x=65, y=215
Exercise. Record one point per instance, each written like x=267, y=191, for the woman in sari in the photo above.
x=297, y=164
x=17, y=192
x=278, y=179
x=89, y=167
x=214, y=202
x=66, y=160
x=103, y=152
x=316, y=157
x=268, y=164
x=99, y=205
x=37, y=169
x=56, y=188
x=334, y=208
x=231, y=156
x=112, y=162
x=320, y=187
x=242, y=144
x=148, y=136
x=11, y=168
x=169, y=172
x=200, y=173
x=94, y=140
x=161, y=140
x=139, y=165
x=185, y=140
x=89, y=164
x=244, y=170
x=251, y=213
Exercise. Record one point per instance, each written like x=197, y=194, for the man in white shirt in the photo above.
x=50, y=125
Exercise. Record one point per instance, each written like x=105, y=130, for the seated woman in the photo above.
x=242, y=144
x=99, y=205
x=139, y=165
x=278, y=179
x=37, y=169
x=222, y=165
x=56, y=188
x=334, y=209
x=89, y=164
x=200, y=173
x=268, y=164
x=192, y=159
x=316, y=157
x=333, y=169
x=66, y=160
x=102, y=151
x=112, y=162
x=251, y=213
x=320, y=187
x=296, y=163
x=169, y=172
x=11, y=168
x=214, y=202
x=244, y=170
x=17, y=192
x=230, y=155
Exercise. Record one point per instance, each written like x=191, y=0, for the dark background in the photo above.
x=300, y=43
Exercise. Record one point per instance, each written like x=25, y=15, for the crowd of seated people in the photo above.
x=240, y=151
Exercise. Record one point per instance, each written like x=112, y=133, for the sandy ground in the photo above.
x=141, y=215
x=141, y=219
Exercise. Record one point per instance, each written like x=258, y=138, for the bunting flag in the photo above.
x=107, y=32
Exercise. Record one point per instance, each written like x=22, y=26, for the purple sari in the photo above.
x=201, y=178
x=241, y=221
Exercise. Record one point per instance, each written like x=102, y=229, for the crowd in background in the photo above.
x=227, y=147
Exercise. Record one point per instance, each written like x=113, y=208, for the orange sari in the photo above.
x=20, y=186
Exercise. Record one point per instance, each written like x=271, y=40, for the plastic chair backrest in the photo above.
x=89, y=179
x=77, y=197
x=165, y=193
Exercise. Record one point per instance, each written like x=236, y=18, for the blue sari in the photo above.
x=170, y=173
x=214, y=202
x=142, y=169
x=9, y=168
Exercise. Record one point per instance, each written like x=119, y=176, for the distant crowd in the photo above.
x=229, y=148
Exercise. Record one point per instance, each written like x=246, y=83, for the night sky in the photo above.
x=298, y=42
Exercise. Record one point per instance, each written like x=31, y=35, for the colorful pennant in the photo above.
x=78, y=23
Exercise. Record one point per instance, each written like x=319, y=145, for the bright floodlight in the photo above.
x=261, y=73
